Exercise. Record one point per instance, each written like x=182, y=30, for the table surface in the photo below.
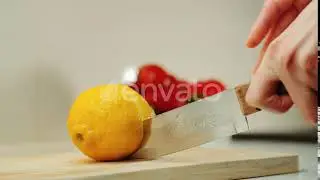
x=307, y=152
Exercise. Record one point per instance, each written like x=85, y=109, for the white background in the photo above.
x=50, y=50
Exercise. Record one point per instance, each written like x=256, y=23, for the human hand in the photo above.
x=274, y=18
x=290, y=57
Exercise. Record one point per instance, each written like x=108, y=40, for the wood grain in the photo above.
x=195, y=163
x=246, y=109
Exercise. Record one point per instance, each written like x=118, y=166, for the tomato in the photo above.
x=164, y=91
x=151, y=74
x=209, y=87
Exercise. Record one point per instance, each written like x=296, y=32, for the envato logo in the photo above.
x=166, y=93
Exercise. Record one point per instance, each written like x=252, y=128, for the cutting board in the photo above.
x=196, y=163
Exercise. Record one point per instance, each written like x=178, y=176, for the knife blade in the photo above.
x=197, y=123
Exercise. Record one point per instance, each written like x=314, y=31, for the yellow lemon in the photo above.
x=106, y=122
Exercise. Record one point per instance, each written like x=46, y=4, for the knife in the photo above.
x=221, y=115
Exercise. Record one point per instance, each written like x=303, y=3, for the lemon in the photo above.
x=106, y=122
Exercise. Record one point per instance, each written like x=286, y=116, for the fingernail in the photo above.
x=250, y=43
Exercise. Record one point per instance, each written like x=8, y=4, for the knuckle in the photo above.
x=285, y=62
x=274, y=50
x=279, y=56
x=253, y=99
x=309, y=63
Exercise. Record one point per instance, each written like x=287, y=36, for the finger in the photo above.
x=260, y=58
x=307, y=66
x=290, y=42
x=276, y=30
x=299, y=48
x=262, y=92
x=269, y=14
x=307, y=53
x=303, y=97
x=283, y=23
x=306, y=78
x=301, y=4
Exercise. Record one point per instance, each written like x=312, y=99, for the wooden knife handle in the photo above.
x=246, y=109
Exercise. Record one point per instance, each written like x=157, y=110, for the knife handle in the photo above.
x=246, y=109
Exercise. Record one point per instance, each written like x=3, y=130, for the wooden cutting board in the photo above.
x=196, y=163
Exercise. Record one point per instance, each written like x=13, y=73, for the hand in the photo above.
x=273, y=19
x=289, y=56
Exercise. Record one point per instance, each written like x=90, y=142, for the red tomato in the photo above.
x=184, y=90
x=165, y=92
x=159, y=88
x=134, y=86
x=151, y=74
x=209, y=87
x=164, y=98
